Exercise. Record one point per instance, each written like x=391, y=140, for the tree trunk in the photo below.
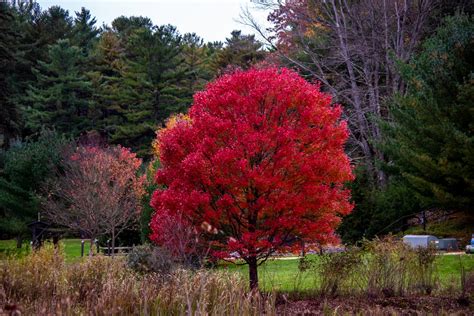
x=19, y=241
x=113, y=242
x=424, y=221
x=253, y=273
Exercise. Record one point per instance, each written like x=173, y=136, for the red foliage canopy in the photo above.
x=261, y=161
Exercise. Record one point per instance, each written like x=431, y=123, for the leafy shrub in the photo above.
x=387, y=267
x=336, y=271
x=425, y=269
x=148, y=258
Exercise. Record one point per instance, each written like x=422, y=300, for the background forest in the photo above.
x=403, y=72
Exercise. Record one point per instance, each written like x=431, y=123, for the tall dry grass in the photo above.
x=385, y=267
x=391, y=268
x=41, y=283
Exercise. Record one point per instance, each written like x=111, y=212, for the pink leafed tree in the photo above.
x=97, y=192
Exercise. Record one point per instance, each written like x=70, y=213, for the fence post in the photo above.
x=82, y=248
x=96, y=241
x=108, y=247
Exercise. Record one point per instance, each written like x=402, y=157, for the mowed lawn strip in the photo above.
x=72, y=248
x=284, y=275
x=449, y=267
x=277, y=274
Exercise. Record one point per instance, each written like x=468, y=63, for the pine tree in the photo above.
x=126, y=26
x=197, y=62
x=154, y=76
x=37, y=29
x=241, y=51
x=9, y=114
x=109, y=96
x=121, y=89
x=26, y=166
x=84, y=31
x=143, y=74
x=49, y=27
x=433, y=129
x=29, y=48
x=159, y=56
x=61, y=96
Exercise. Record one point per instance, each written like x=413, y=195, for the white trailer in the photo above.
x=423, y=241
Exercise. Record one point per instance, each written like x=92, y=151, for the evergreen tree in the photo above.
x=110, y=95
x=49, y=27
x=29, y=48
x=158, y=55
x=197, y=62
x=143, y=74
x=84, y=31
x=26, y=166
x=154, y=76
x=241, y=51
x=123, y=83
x=378, y=211
x=122, y=93
x=126, y=26
x=61, y=96
x=37, y=29
x=9, y=114
x=433, y=128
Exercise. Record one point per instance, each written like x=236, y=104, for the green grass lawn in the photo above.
x=277, y=274
x=284, y=275
x=449, y=267
x=72, y=248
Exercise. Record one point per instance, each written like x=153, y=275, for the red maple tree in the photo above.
x=260, y=161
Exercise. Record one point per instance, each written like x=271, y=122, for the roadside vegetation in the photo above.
x=151, y=282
